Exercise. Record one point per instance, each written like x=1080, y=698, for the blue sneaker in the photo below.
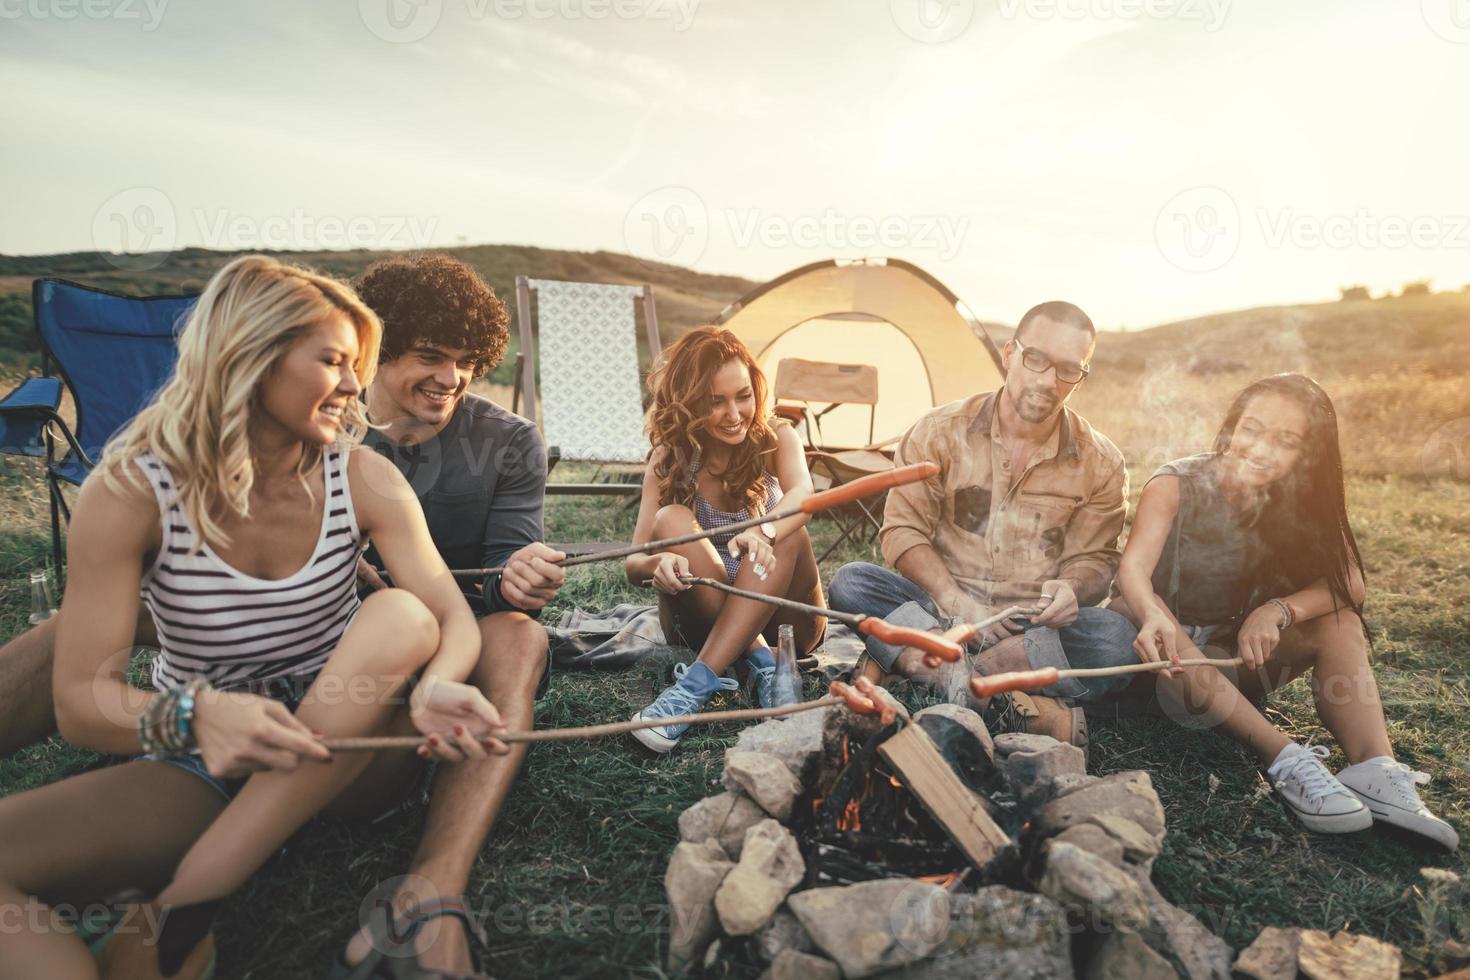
x=693, y=686
x=762, y=664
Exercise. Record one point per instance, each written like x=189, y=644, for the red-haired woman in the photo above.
x=719, y=457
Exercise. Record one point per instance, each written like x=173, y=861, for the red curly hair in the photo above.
x=678, y=415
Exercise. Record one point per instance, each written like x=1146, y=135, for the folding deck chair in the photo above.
x=112, y=352
x=835, y=385
x=584, y=348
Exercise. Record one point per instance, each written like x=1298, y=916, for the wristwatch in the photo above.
x=769, y=530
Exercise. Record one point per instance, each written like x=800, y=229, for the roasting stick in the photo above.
x=862, y=487
x=1032, y=680
x=933, y=644
x=864, y=698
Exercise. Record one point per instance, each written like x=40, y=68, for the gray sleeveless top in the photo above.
x=1212, y=563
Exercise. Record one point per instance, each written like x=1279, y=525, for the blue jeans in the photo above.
x=1097, y=638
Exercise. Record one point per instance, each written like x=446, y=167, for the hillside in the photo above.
x=1395, y=367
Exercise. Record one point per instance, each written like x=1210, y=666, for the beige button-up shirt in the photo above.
x=1002, y=537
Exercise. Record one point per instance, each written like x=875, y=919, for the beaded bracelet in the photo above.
x=1287, y=616
x=166, y=726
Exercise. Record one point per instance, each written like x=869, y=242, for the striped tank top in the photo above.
x=709, y=517
x=233, y=629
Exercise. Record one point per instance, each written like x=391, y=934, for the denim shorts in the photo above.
x=287, y=690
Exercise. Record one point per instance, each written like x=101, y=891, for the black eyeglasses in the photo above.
x=1035, y=360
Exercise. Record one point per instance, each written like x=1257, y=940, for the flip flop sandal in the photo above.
x=391, y=956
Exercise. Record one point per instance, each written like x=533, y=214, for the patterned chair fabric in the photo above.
x=591, y=395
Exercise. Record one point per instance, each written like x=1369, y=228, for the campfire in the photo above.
x=844, y=846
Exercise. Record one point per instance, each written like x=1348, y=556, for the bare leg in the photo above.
x=467, y=797
x=72, y=857
x=26, y=704
x=357, y=693
x=731, y=625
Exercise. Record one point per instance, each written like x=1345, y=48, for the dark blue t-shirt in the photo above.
x=482, y=484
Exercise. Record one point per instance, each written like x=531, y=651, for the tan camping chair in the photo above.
x=834, y=385
x=581, y=359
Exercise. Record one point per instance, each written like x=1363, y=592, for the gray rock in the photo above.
x=969, y=720
x=694, y=875
x=1070, y=782
x=791, y=965
x=1271, y=956
x=1139, y=846
x=1346, y=956
x=998, y=932
x=1125, y=956
x=1031, y=773
x=1094, y=840
x=1023, y=742
x=1103, y=895
x=725, y=817
x=781, y=933
x=795, y=739
x=763, y=778
x=770, y=866
x=1124, y=794
x=1191, y=949
x=874, y=925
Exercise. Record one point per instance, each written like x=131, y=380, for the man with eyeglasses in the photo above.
x=1026, y=510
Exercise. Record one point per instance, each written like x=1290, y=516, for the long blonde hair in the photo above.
x=249, y=316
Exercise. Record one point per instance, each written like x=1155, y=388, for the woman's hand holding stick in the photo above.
x=836, y=497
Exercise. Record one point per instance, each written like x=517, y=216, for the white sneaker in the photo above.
x=1311, y=792
x=1387, y=787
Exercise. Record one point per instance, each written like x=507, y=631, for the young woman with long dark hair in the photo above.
x=719, y=457
x=1249, y=545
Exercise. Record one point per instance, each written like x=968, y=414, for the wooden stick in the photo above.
x=1031, y=680
x=837, y=496
x=933, y=644
x=587, y=731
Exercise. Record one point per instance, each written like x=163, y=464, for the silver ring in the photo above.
x=1045, y=596
x=759, y=569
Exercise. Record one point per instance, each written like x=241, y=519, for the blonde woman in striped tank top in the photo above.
x=236, y=508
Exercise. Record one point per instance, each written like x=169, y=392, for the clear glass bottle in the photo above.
x=43, y=602
x=786, y=686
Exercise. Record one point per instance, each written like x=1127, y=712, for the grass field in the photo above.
x=573, y=874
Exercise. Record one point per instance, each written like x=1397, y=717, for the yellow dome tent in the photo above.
x=927, y=348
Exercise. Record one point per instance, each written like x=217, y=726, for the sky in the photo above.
x=1149, y=160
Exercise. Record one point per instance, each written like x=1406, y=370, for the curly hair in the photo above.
x=678, y=416
x=436, y=299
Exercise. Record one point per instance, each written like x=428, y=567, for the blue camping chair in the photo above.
x=113, y=353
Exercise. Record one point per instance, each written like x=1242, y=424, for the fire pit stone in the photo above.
x=1125, y=956
x=874, y=925
x=725, y=817
x=1126, y=794
x=1032, y=774
x=693, y=876
x=764, y=778
x=770, y=866
x=791, y=965
x=1088, y=885
x=796, y=740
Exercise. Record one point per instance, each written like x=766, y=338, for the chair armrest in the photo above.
x=25, y=413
